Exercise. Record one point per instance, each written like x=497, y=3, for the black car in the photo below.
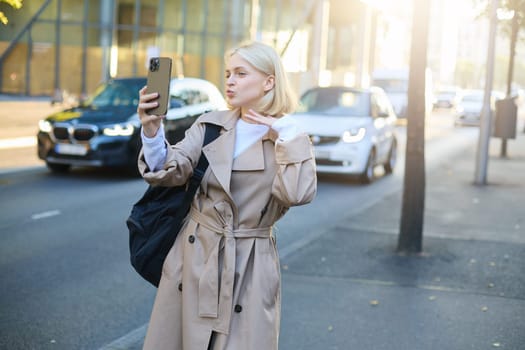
x=105, y=129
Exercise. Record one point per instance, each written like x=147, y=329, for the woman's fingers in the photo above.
x=146, y=101
x=150, y=123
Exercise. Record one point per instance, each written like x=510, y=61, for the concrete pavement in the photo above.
x=350, y=290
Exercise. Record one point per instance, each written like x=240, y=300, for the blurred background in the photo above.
x=65, y=49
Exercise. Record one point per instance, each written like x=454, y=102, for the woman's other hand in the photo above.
x=150, y=123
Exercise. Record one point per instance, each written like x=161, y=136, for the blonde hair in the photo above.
x=281, y=99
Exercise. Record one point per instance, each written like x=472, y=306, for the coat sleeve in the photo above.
x=181, y=158
x=296, y=179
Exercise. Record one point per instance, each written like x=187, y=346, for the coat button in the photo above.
x=191, y=238
x=180, y=287
x=238, y=308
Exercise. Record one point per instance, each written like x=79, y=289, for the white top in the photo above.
x=246, y=134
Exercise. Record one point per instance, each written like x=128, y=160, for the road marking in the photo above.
x=45, y=214
x=18, y=142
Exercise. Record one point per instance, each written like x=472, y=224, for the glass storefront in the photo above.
x=71, y=46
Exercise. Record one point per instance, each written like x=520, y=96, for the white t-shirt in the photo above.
x=246, y=134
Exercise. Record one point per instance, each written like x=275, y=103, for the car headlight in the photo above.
x=354, y=135
x=119, y=130
x=44, y=126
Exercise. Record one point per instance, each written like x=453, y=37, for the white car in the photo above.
x=352, y=130
x=470, y=106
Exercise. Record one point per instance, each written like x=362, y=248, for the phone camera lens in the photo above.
x=154, y=64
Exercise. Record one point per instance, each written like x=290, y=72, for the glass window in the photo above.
x=392, y=85
x=94, y=10
x=42, y=59
x=335, y=101
x=173, y=15
x=70, y=58
x=116, y=93
x=50, y=11
x=73, y=10
x=216, y=20
x=195, y=17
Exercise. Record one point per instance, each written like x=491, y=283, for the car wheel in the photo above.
x=58, y=168
x=368, y=174
x=392, y=158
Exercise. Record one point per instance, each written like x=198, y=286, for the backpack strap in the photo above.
x=212, y=132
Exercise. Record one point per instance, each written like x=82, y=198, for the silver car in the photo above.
x=352, y=130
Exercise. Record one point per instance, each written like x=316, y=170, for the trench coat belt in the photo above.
x=209, y=283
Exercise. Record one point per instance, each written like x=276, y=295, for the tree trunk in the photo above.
x=413, y=208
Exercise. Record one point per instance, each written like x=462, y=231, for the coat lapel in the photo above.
x=219, y=152
x=251, y=158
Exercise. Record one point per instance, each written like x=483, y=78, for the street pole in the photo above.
x=486, y=113
x=411, y=229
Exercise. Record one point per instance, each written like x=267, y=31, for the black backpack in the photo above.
x=157, y=218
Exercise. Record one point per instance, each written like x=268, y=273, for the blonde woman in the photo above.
x=220, y=287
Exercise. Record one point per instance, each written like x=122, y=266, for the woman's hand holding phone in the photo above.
x=150, y=122
x=154, y=97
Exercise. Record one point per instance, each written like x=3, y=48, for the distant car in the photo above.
x=395, y=83
x=105, y=129
x=470, y=105
x=352, y=130
x=446, y=98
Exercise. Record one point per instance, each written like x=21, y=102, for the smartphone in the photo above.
x=159, y=76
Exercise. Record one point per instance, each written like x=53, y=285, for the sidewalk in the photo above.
x=350, y=290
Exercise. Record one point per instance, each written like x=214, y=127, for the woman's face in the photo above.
x=245, y=85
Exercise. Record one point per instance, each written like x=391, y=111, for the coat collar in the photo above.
x=227, y=119
x=220, y=152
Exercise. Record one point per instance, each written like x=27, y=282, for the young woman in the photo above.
x=220, y=285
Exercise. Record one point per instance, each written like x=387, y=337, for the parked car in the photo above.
x=395, y=82
x=470, y=105
x=105, y=129
x=352, y=130
x=447, y=97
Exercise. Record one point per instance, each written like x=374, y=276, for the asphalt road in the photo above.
x=66, y=279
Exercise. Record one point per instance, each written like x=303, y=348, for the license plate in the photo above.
x=75, y=150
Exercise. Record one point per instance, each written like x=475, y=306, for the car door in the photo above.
x=183, y=112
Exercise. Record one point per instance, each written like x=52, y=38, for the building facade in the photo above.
x=52, y=47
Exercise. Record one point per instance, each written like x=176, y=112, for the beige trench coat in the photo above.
x=222, y=275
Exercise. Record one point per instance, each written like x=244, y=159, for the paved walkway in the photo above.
x=350, y=290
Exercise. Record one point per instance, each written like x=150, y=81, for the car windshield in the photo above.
x=473, y=98
x=446, y=94
x=116, y=93
x=336, y=102
x=392, y=85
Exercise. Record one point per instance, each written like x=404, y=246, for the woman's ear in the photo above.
x=269, y=83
